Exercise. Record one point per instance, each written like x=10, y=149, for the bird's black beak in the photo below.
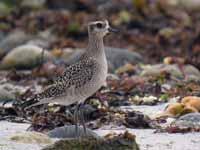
x=112, y=30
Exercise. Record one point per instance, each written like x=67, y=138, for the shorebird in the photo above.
x=83, y=78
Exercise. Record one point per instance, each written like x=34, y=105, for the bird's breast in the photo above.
x=103, y=69
x=97, y=80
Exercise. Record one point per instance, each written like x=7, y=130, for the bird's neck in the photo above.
x=95, y=46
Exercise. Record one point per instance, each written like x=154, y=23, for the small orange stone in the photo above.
x=172, y=110
x=192, y=101
x=57, y=52
x=175, y=109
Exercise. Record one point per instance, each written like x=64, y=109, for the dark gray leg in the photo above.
x=82, y=120
x=79, y=116
x=76, y=119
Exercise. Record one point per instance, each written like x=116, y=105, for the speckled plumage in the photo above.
x=82, y=79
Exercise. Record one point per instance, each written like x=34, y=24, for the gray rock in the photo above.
x=10, y=91
x=62, y=4
x=19, y=37
x=188, y=72
x=191, y=120
x=5, y=94
x=116, y=57
x=193, y=117
x=191, y=73
x=70, y=132
x=7, y=98
x=13, y=40
x=24, y=57
x=43, y=39
x=155, y=70
x=33, y=3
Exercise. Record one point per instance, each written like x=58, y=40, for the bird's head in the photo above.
x=100, y=28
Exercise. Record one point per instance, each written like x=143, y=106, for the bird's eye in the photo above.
x=99, y=25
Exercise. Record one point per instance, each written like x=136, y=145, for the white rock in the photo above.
x=6, y=94
x=24, y=57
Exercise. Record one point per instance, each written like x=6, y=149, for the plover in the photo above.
x=83, y=78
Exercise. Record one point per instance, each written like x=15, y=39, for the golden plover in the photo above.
x=83, y=78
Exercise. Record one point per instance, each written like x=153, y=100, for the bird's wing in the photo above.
x=74, y=77
x=78, y=74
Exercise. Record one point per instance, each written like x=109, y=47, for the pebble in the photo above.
x=192, y=102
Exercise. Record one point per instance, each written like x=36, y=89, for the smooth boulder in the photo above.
x=12, y=40
x=70, y=132
x=24, y=57
x=189, y=121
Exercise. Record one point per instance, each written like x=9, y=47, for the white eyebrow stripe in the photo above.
x=95, y=22
x=98, y=22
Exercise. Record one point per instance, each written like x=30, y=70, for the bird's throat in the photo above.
x=95, y=46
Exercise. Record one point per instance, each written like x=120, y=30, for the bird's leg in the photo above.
x=76, y=119
x=82, y=120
